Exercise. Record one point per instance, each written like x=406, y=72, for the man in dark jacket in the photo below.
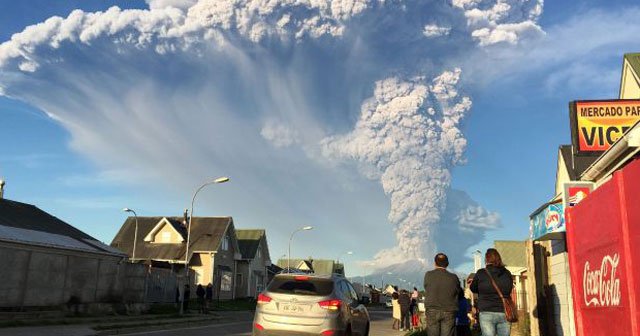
x=404, y=300
x=441, y=298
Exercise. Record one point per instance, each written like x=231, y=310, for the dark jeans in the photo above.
x=463, y=330
x=441, y=323
x=405, y=320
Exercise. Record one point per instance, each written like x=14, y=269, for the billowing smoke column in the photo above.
x=282, y=74
x=409, y=134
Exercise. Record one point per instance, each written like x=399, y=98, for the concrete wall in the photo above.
x=560, y=289
x=41, y=276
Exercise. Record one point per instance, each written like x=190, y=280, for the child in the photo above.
x=462, y=319
x=413, y=309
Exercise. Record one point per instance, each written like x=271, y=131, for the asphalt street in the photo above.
x=380, y=326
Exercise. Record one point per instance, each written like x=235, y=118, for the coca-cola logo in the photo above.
x=602, y=286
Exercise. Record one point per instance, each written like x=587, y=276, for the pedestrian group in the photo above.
x=447, y=310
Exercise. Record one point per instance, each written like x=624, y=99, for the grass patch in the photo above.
x=234, y=305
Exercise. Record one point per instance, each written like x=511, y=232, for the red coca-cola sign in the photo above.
x=603, y=241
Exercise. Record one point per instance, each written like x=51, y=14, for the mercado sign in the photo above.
x=597, y=124
x=548, y=222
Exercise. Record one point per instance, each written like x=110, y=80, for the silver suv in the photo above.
x=308, y=304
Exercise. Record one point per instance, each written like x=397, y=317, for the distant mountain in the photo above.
x=412, y=272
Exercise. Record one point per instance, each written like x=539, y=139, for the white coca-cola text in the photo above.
x=602, y=286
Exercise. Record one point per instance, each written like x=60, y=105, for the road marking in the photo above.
x=188, y=328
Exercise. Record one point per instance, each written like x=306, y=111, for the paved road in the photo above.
x=380, y=326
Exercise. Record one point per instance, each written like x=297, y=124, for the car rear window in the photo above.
x=315, y=287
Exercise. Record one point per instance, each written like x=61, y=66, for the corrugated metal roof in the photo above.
x=25, y=223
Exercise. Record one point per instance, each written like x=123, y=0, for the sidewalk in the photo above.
x=65, y=330
x=115, y=325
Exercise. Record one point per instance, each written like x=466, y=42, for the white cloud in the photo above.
x=433, y=30
x=280, y=135
x=498, y=21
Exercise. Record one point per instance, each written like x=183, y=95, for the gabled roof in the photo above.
x=206, y=235
x=27, y=224
x=178, y=227
x=249, y=241
x=318, y=266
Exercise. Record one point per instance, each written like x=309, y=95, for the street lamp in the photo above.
x=305, y=228
x=135, y=234
x=345, y=253
x=186, y=254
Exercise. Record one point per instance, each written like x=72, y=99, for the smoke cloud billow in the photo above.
x=191, y=76
x=409, y=132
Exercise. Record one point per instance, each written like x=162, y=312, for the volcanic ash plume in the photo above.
x=408, y=136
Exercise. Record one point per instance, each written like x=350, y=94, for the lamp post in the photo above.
x=344, y=253
x=135, y=234
x=305, y=228
x=338, y=260
x=186, y=254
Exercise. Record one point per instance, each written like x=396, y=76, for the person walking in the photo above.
x=186, y=295
x=441, y=298
x=396, y=309
x=209, y=296
x=404, y=300
x=415, y=294
x=200, y=294
x=413, y=311
x=493, y=321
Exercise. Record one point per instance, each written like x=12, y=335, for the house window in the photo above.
x=258, y=252
x=225, y=243
x=166, y=237
x=225, y=282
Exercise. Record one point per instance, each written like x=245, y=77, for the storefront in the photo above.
x=585, y=242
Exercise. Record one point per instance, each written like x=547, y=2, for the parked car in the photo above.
x=309, y=304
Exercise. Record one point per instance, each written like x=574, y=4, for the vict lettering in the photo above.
x=589, y=138
x=609, y=131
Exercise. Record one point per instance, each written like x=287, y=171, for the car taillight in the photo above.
x=259, y=327
x=301, y=278
x=330, y=304
x=327, y=333
x=263, y=298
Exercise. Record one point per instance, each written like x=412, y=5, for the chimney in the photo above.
x=1, y=189
x=185, y=219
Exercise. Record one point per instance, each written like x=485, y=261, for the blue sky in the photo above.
x=519, y=116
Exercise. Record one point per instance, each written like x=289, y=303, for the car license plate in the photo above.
x=291, y=308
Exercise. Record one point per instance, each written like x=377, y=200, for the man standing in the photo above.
x=441, y=288
x=405, y=319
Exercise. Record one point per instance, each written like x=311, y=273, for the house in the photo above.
x=213, y=248
x=47, y=262
x=252, y=275
x=320, y=266
x=514, y=256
